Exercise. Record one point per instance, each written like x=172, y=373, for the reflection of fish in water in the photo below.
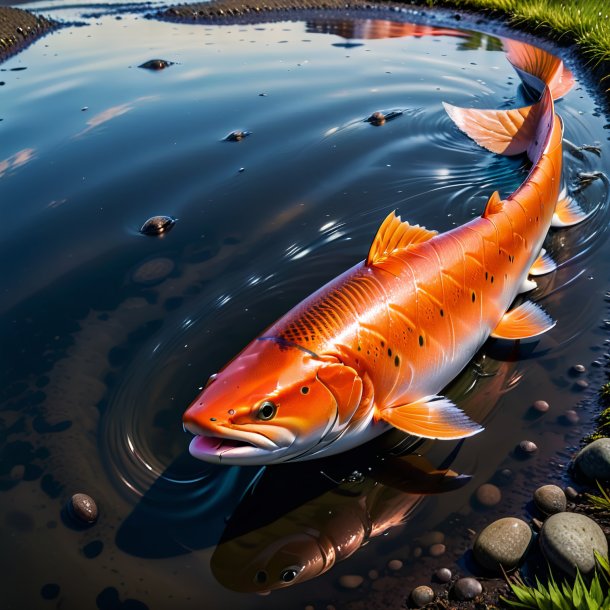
x=259, y=552
x=376, y=346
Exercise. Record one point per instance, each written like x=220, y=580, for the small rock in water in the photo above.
x=466, y=589
x=581, y=384
x=430, y=538
x=569, y=542
x=502, y=543
x=537, y=524
x=436, y=550
x=84, y=108
x=350, y=581
x=571, y=494
x=237, y=135
x=377, y=118
x=443, y=575
x=422, y=595
x=157, y=225
x=373, y=574
x=156, y=64
x=579, y=368
x=542, y=406
x=527, y=447
x=570, y=418
x=418, y=552
x=550, y=499
x=153, y=271
x=593, y=461
x=83, y=507
x=394, y=564
x=488, y=495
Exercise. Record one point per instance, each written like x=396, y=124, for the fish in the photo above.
x=374, y=348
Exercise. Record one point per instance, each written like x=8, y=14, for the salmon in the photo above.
x=375, y=347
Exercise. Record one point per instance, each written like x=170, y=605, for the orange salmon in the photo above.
x=375, y=347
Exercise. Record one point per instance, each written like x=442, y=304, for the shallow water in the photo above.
x=106, y=335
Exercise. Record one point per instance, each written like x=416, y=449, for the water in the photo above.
x=107, y=334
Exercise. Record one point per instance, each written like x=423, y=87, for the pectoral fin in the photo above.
x=431, y=417
x=567, y=212
x=543, y=264
x=524, y=322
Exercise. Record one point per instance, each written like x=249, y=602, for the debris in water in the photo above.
x=157, y=225
x=83, y=507
x=237, y=136
x=156, y=64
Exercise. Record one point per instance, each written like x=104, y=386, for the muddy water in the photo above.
x=106, y=334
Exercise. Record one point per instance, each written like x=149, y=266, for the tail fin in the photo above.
x=537, y=68
x=508, y=132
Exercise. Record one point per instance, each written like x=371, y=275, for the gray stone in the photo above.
x=593, y=461
x=502, y=543
x=542, y=406
x=528, y=447
x=443, y=575
x=436, y=550
x=83, y=507
x=422, y=595
x=466, y=589
x=488, y=495
x=394, y=564
x=550, y=499
x=569, y=540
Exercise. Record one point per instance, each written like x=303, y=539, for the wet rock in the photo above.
x=541, y=406
x=443, y=575
x=527, y=447
x=537, y=524
x=156, y=64
x=153, y=271
x=422, y=595
x=237, y=136
x=488, y=495
x=571, y=494
x=550, y=499
x=502, y=543
x=350, y=581
x=377, y=118
x=466, y=589
x=581, y=384
x=569, y=418
x=394, y=564
x=436, y=550
x=83, y=507
x=593, y=461
x=579, y=369
x=569, y=542
x=157, y=225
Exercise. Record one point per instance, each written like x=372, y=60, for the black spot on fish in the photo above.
x=473, y=297
x=442, y=313
x=421, y=341
x=389, y=352
x=396, y=361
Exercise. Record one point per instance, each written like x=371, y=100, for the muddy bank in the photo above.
x=20, y=28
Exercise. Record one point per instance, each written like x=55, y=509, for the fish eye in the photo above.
x=304, y=390
x=267, y=410
x=289, y=575
x=260, y=577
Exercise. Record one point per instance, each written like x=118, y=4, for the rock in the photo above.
x=527, y=447
x=430, y=538
x=550, y=499
x=593, y=461
x=502, y=543
x=571, y=494
x=579, y=368
x=237, y=136
x=537, y=524
x=569, y=418
x=350, y=581
x=568, y=541
x=153, y=271
x=436, y=550
x=541, y=406
x=156, y=64
x=422, y=595
x=581, y=384
x=488, y=495
x=157, y=225
x=466, y=589
x=377, y=118
x=443, y=575
x=373, y=574
x=83, y=507
x=394, y=564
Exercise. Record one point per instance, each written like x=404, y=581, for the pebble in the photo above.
x=502, y=543
x=505, y=476
x=537, y=524
x=436, y=550
x=156, y=64
x=394, y=564
x=158, y=225
x=418, y=552
x=488, y=495
x=83, y=507
x=550, y=499
x=468, y=588
x=542, y=406
x=593, y=461
x=571, y=494
x=377, y=118
x=581, y=384
x=443, y=575
x=528, y=447
x=422, y=595
x=237, y=136
x=350, y=581
x=570, y=417
x=579, y=368
x=153, y=271
x=568, y=541
x=430, y=538
x=373, y=574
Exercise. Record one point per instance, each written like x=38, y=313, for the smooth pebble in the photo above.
x=488, y=495
x=550, y=499
x=422, y=595
x=394, y=564
x=468, y=588
x=84, y=507
x=502, y=543
x=443, y=575
x=350, y=581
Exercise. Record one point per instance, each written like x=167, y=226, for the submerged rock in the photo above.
x=569, y=542
x=156, y=64
x=593, y=461
x=550, y=499
x=237, y=136
x=488, y=495
x=502, y=543
x=157, y=225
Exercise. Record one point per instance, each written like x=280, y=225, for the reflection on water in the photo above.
x=107, y=334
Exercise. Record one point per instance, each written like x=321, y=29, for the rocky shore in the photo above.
x=19, y=28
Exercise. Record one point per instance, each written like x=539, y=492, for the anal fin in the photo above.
x=543, y=264
x=431, y=417
x=524, y=322
x=568, y=212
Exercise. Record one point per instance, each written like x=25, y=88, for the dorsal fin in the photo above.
x=395, y=235
x=494, y=205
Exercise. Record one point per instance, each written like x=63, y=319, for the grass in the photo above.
x=600, y=502
x=569, y=596
x=584, y=22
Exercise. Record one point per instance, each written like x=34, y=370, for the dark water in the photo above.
x=106, y=335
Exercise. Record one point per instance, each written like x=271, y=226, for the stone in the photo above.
x=466, y=589
x=502, y=543
x=593, y=461
x=550, y=499
x=350, y=581
x=157, y=225
x=430, y=538
x=443, y=575
x=542, y=406
x=83, y=507
x=527, y=447
x=394, y=564
x=422, y=595
x=436, y=550
x=570, y=418
x=569, y=542
x=488, y=495
x=579, y=368
x=156, y=64
x=571, y=494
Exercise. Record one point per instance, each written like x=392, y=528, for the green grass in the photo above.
x=584, y=22
x=600, y=502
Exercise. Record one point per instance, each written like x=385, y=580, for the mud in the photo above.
x=19, y=28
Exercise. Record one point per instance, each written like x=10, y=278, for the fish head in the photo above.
x=274, y=402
